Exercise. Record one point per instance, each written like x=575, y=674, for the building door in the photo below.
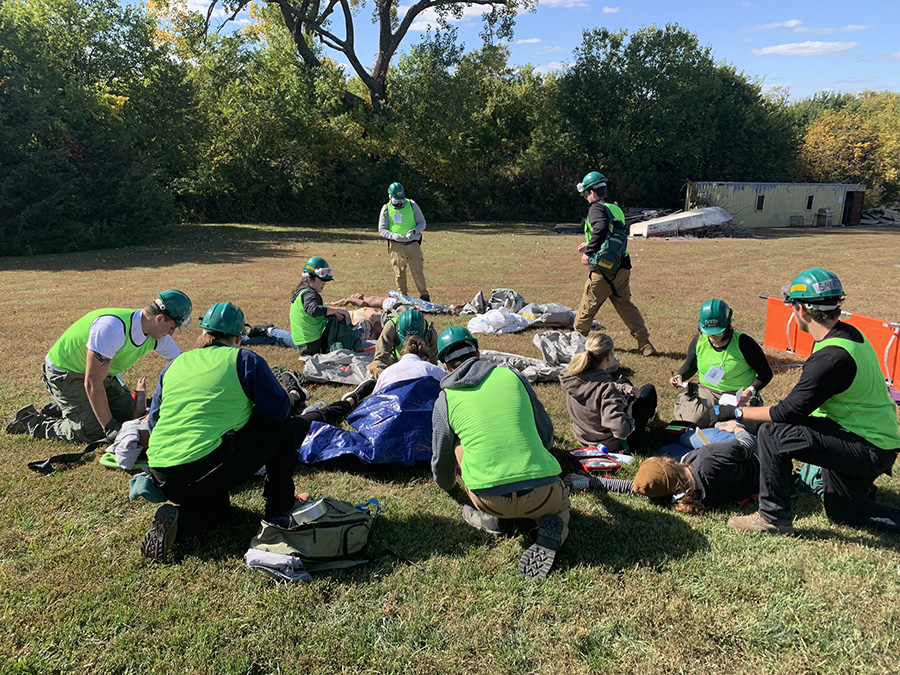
x=853, y=202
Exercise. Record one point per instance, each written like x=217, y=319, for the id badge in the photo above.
x=398, y=218
x=714, y=375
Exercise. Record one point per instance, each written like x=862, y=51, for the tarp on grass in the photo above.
x=392, y=427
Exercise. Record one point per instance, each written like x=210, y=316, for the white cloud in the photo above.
x=429, y=17
x=565, y=4
x=610, y=10
x=850, y=27
x=888, y=57
x=790, y=23
x=549, y=50
x=528, y=41
x=817, y=31
x=743, y=4
x=808, y=48
x=554, y=67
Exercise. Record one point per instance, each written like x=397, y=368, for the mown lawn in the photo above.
x=637, y=588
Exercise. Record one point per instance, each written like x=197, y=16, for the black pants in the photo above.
x=200, y=488
x=849, y=467
x=642, y=410
x=332, y=414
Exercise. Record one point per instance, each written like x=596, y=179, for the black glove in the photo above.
x=112, y=429
x=722, y=413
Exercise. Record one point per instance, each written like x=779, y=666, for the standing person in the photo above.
x=401, y=222
x=81, y=371
x=217, y=416
x=489, y=423
x=604, y=410
x=839, y=416
x=394, y=335
x=315, y=327
x=599, y=286
x=728, y=361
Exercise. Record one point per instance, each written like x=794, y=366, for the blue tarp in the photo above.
x=392, y=427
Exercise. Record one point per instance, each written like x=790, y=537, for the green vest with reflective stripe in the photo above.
x=70, y=351
x=202, y=400
x=406, y=214
x=494, y=421
x=738, y=373
x=617, y=213
x=865, y=408
x=305, y=328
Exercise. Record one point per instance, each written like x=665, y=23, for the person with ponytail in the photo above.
x=605, y=410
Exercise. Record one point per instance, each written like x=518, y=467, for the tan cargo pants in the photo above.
x=597, y=290
x=408, y=256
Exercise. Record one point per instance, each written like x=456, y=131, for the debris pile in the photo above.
x=881, y=215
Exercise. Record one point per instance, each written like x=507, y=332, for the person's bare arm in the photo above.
x=96, y=370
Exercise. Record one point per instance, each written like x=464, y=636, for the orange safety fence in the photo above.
x=783, y=334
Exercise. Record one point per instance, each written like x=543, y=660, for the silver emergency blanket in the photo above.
x=533, y=370
x=338, y=367
x=508, y=312
x=557, y=348
x=278, y=565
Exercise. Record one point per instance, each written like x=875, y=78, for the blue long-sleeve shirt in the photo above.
x=270, y=401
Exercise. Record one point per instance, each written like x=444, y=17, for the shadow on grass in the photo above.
x=799, y=232
x=378, y=473
x=628, y=537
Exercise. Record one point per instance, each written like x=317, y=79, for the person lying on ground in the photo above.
x=489, y=425
x=718, y=474
x=413, y=364
x=392, y=338
x=360, y=300
x=81, y=370
x=728, y=361
x=605, y=410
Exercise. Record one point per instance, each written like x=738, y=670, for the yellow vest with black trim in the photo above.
x=305, y=328
x=738, y=373
x=865, y=408
x=202, y=400
x=69, y=353
x=494, y=421
x=408, y=218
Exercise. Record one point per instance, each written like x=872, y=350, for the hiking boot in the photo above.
x=292, y=383
x=538, y=559
x=426, y=297
x=157, y=543
x=481, y=520
x=358, y=394
x=260, y=330
x=647, y=350
x=19, y=425
x=756, y=523
x=53, y=410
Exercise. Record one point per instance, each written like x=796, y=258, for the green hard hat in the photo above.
x=454, y=342
x=224, y=317
x=591, y=180
x=396, y=191
x=815, y=286
x=176, y=305
x=317, y=266
x=715, y=317
x=411, y=322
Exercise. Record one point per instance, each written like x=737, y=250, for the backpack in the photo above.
x=609, y=258
x=335, y=539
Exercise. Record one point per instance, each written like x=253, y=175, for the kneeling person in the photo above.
x=489, y=422
x=394, y=335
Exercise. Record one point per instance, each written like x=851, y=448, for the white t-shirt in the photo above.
x=107, y=337
x=409, y=367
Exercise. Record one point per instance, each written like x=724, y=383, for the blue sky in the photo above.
x=800, y=45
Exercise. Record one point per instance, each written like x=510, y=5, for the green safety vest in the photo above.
x=202, y=400
x=305, y=328
x=70, y=351
x=865, y=408
x=494, y=421
x=408, y=218
x=617, y=213
x=738, y=373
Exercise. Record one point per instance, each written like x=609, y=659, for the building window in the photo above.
x=809, y=201
x=760, y=201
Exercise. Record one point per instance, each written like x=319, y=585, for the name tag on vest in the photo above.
x=714, y=375
x=398, y=218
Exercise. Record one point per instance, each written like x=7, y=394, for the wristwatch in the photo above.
x=738, y=413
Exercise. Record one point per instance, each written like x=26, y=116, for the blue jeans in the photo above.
x=277, y=337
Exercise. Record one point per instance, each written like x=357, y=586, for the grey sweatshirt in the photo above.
x=599, y=407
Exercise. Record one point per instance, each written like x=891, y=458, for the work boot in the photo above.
x=481, y=520
x=756, y=523
x=426, y=297
x=53, y=410
x=260, y=330
x=19, y=425
x=647, y=350
x=157, y=543
x=362, y=391
x=538, y=559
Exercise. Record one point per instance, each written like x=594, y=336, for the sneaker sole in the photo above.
x=157, y=543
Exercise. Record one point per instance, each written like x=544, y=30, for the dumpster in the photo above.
x=825, y=217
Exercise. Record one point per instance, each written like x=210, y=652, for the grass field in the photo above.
x=637, y=588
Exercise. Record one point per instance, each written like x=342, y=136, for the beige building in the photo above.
x=780, y=204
